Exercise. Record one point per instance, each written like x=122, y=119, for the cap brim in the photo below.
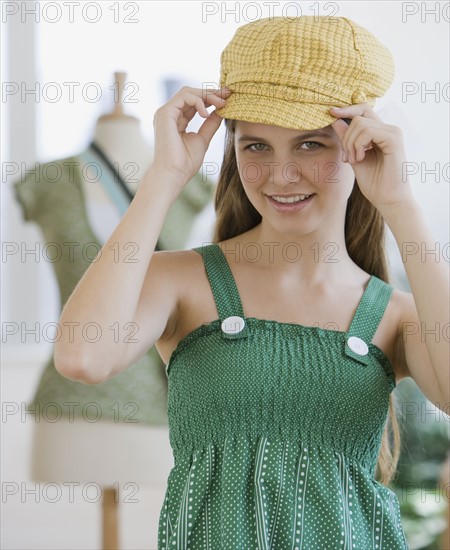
x=276, y=112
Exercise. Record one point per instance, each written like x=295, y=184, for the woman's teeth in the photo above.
x=295, y=198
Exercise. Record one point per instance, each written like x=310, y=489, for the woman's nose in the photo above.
x=284, y=172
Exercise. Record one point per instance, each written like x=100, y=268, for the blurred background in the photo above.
x=58, y=65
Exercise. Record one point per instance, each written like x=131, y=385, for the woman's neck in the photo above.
x=316, y=258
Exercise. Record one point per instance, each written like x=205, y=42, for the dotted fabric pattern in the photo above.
x=276, y=433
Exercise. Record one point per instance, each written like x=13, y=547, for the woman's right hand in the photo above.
x=178, y=153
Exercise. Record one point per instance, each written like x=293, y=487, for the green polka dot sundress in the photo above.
x=276, y=429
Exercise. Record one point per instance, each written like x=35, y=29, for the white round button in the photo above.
x=357, y=345
x=233, y=324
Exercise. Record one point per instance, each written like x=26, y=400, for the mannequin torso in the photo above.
x=106, y=452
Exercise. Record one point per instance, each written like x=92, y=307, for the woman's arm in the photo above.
x=98, y=333
x=376, y=152
x=424, y=329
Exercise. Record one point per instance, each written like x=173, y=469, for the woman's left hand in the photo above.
x=376, y=153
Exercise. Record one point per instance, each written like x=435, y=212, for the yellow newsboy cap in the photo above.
x=288, y=71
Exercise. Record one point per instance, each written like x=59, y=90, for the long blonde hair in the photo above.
x=364, y=230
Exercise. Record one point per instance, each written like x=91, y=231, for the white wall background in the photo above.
x=152, y=42
x=155, y=41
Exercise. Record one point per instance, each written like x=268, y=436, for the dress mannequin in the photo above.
x=119, y=136
x=106, y=452
x=130, y=442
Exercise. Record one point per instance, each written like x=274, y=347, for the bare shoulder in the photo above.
x=177, y=270
x=388, y=336
x=169, y=259
x=402, y=310
x=400, y=301
x=186, y=280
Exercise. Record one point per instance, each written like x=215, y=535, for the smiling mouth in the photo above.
x=289, y=200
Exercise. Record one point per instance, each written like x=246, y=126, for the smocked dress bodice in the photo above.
x=276, y=430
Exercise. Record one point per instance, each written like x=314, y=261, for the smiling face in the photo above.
x=295, y=179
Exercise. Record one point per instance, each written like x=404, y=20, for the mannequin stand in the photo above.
x=110, y=519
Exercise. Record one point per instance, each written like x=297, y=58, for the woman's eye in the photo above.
x=306, y=145
x=256, y=147
x=314, y=145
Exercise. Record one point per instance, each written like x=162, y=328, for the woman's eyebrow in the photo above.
x=306, y=135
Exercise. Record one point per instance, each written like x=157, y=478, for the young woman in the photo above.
x=283, y=339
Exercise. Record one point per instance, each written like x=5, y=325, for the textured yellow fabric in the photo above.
x=288, y=71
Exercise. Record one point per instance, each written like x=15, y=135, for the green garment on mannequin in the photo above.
x=138, y=394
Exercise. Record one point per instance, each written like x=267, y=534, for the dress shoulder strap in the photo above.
x=225, y=291
x=367, y=318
